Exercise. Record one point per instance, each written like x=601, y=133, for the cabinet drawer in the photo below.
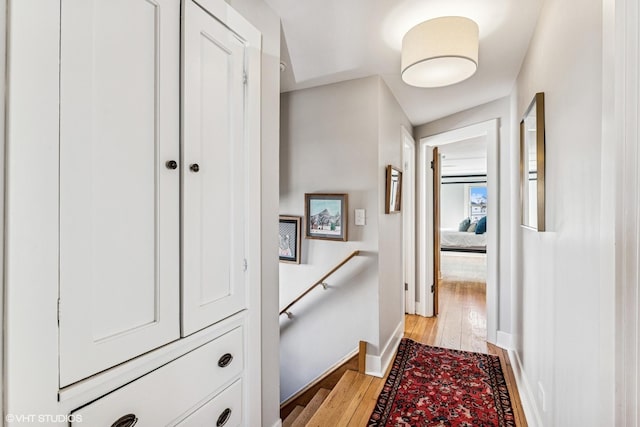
x=172, y=390
x=223, y=410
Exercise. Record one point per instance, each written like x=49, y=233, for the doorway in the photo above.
x=460, y=206
x=426, y=231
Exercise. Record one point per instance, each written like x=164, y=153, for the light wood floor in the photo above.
x=461, y=325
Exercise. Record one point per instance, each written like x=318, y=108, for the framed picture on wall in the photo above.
x=326, y=216
x=290, y=239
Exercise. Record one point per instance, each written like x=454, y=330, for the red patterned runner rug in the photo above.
x=431, y=386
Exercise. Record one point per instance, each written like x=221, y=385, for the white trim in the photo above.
x=531, y=412
x=377, y=365
x=490, y=130
x=614, y=237
x=504, y=340
x=3, y=64
x=278, y=423
x=409, y=220
x=425, y=233
x=254, y=199
x=319, y=378
x=621, y=159
x=31, y=222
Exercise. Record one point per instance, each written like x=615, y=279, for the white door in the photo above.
x=408, y=221
x=213, y=167
x=119, y=198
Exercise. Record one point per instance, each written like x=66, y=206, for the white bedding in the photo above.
x=462, y=239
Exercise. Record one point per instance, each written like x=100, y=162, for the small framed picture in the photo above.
x=326, y=216
x=290, y=239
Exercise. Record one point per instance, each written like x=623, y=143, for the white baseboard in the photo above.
x=504, y=340
x=277, y=423
x=319, y=378
x=377, y=365
x=524, y=389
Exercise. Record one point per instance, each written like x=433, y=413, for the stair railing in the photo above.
x=320, y=282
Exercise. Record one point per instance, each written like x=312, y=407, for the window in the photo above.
x=477, y=202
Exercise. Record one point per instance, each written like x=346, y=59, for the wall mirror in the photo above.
x=393, y=202
x=532, y=164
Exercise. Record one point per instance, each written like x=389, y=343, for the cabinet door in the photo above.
x=214, y=193
x=119, y=199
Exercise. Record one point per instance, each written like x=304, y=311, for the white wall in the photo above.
x=339, y=138
x=499, y=109
x=391, y=285
x=329, y=143
x=264, y=19
x=452, y=207
x=557, y=335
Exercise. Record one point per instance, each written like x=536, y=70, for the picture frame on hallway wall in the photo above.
x=326, y=216
x=290, y=239
x=393, y=194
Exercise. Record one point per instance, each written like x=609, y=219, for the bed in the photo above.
x=462, y=241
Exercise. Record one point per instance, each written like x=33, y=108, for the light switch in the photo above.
x=360, y=218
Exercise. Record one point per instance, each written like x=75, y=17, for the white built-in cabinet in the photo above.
x=131, y=292
x=119, y=203
x=214, y=208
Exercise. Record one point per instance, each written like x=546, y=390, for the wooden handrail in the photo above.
x=319, y=282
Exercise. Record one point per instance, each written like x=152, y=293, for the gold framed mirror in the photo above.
x=532, y=165
x=393, y=196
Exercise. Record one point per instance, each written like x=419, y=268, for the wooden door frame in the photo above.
x=436, y=172
x=409, y=220
x=490, y=130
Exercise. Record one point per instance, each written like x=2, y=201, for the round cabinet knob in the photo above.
x=194, y=167
x=172, y=164
x=128, y=420
x=224, y=417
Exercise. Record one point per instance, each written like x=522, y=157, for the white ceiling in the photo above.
x=464, y=157
x=328, y=41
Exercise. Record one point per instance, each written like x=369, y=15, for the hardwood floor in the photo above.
x=461, y=325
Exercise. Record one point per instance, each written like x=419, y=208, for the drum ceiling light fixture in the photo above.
x=440, y=52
